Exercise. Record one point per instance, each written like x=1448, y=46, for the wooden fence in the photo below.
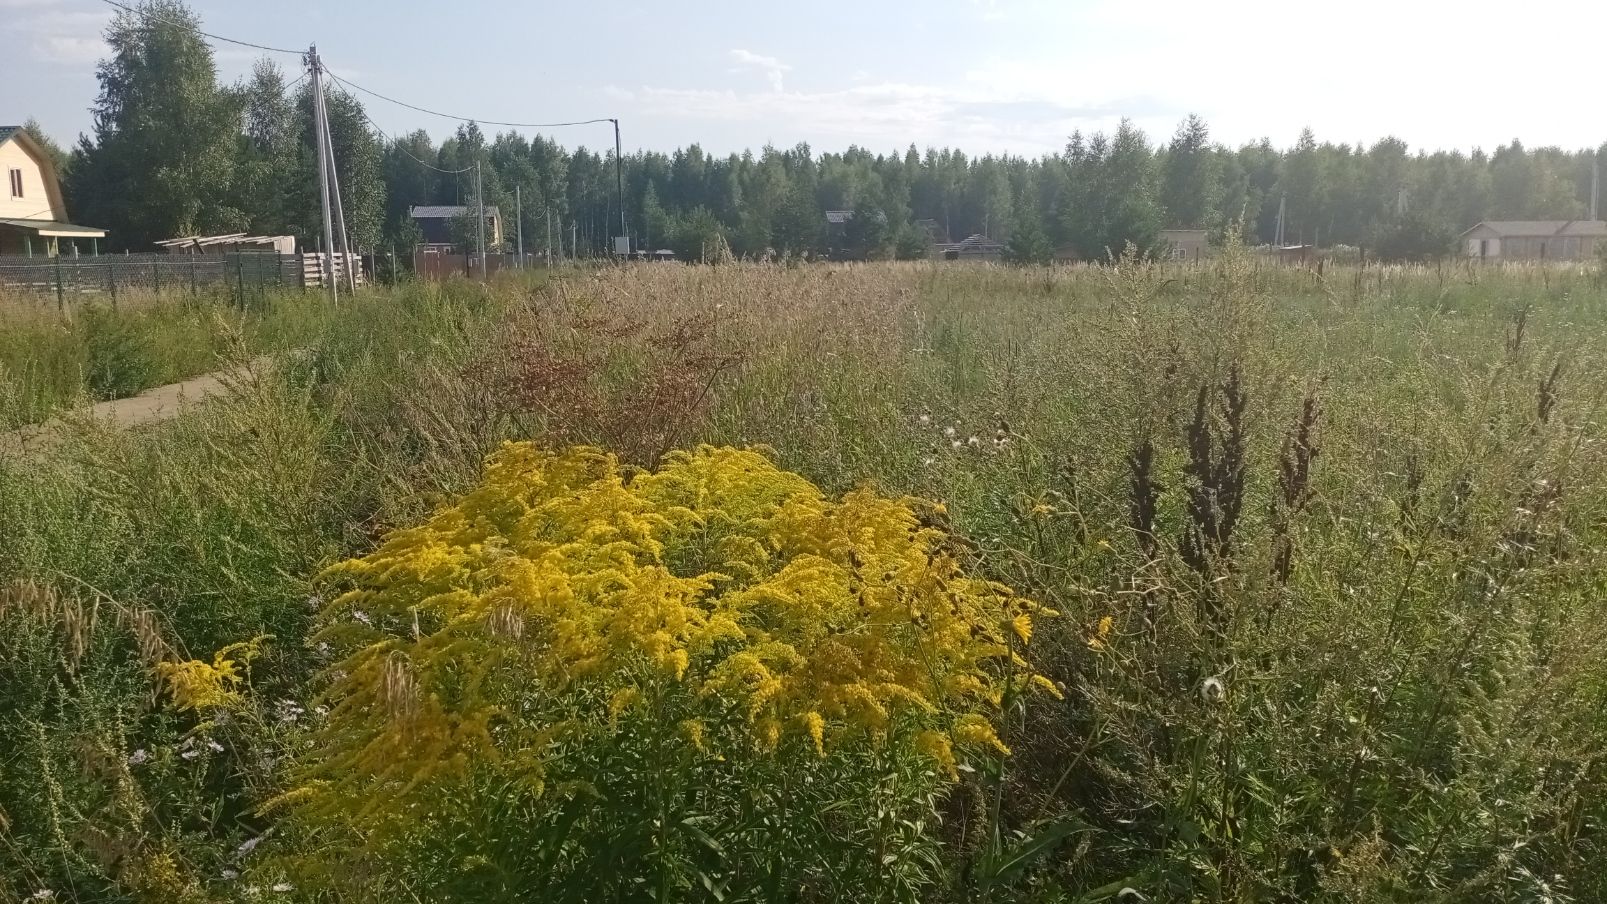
x=441, y=266
x=241, y=274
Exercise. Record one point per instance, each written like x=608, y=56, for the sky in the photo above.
x=1001, y=76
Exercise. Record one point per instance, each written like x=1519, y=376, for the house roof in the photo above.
x=448, y=212
x=975, y=242
x=839, y=217
x=1543, y=228
x=7, y=131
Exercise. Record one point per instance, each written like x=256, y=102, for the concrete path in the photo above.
x=149, y=407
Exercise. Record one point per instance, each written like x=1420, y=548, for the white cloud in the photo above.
x=773, y=69
x=58, y=35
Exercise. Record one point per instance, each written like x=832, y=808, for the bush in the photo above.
x=571, y=680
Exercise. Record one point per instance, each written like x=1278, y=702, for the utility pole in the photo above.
x=322, y=110
x=479, y=195
x=519, y=220
x=619, y=193
x=550, y=259
x=1595, y=185
x=1283, y=203
x=574, y=239
x=323, y=173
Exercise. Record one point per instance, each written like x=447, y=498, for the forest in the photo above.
x=220, y=157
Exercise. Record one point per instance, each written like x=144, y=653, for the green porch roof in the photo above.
x=54, y=229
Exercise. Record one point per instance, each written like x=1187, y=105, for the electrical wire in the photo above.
x=150, y=15
x=488, y=122
x=392, y=142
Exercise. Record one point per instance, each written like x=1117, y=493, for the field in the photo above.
x=1137, y=583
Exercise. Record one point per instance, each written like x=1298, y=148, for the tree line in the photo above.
x=174, y=152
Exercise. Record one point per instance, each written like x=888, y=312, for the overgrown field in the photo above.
x=965, y=584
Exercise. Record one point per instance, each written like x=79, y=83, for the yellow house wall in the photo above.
x=38, y=202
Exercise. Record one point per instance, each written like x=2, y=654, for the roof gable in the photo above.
x=47, y=167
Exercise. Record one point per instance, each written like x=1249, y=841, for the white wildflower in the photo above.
x=229, y=875
x=284, y=887
x=925, y=420
x=1212, y=689
x=950, y=432
x=138, y=757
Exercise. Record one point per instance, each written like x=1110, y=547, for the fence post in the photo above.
x=156, y=278
x=61, y=304
x=240, y=271
x=111, y=279
x=195, y=288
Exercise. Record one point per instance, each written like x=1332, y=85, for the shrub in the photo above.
x=573, y=659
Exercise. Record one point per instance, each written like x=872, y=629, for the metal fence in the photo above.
x=71, y=279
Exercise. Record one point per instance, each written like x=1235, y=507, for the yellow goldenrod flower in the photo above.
x=1101, y=633
x=717, y=590
x=816, y=726
x=976, y=730
x=197, y=685
x=937, y=746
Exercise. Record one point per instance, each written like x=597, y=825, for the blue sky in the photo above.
x=983, y=75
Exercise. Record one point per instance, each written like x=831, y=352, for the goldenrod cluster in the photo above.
x=199, y=685
x=563, y=585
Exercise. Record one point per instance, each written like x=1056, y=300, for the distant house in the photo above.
x=233, y=242
x=436, y=223
x=976, y=247
x=33, y=216
x=1184, y=244
x=1534, y=240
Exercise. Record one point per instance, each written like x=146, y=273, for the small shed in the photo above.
x=1184, y=244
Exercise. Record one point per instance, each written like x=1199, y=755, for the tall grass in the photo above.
x=1326, y=549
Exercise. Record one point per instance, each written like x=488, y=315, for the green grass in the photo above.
x=1412, y=714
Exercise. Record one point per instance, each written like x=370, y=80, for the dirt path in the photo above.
x=149, y=407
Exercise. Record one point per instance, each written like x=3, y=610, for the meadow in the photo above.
x=890, y=582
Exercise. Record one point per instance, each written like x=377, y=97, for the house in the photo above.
x=1183, y=244
x=231, y=243
x=33, y=216
x=436, y=223
x=1534, y=240
x=976, y=247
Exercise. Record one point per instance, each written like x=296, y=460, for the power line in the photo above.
x=489, y=122
x=153, y=16
x=392, y=142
